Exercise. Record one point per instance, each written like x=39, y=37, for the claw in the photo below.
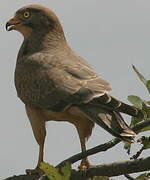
x=84, y=165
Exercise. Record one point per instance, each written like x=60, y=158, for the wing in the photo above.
x=55, y=84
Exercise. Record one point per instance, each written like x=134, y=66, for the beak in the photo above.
x=12, y=23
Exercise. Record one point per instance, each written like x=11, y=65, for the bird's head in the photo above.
x=34, y=19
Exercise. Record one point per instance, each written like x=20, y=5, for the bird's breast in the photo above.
x=32, y=85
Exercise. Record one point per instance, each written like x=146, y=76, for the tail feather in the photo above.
x=116, y=105
x=110, y=120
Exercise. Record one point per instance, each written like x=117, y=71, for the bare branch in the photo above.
x=129, y=177
x=138, y=153
x=110, y=170
x=24, y=177
x=119, y=168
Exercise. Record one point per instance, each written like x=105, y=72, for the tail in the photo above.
x=110, y=120
x=105, y=111
x=113, y=104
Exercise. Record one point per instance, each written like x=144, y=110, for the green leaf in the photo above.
x=143, y=176
x=50, y=171
x=127, y=147
x=53, y=173
x=134, y=121
x=66, y=171
x=141, y=77
x=146, y=142
x=148, y=102
x=146, y=108
x=145, y=129
x=136, y=101
x=148, y=85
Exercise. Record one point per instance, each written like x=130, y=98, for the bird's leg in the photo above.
x=84, y=163
x=38, y=126
x=41, y=154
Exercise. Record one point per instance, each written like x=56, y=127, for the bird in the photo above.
x=56, y=84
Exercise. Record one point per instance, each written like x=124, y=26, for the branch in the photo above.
x=129, y=177
x=109, y=170
x=105, y=146
x=24, y=177
x=118, y=168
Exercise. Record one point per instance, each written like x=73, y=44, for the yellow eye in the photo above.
x=26, y=14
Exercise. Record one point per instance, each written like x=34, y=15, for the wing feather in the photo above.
x=51, y=83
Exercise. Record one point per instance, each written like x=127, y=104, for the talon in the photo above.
x=84, y=165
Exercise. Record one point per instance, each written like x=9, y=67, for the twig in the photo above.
x=138, y=153
x=138, y=127
x=129, y=177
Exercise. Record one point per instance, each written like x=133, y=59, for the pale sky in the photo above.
x=112, y=35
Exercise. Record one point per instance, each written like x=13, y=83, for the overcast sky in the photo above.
x=112, y=35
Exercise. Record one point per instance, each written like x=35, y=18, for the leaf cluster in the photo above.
x=145, y=106
x=62, y=173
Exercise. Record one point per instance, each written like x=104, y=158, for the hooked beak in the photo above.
x=12, y=24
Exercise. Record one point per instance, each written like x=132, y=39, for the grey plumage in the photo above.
x=56, y=84
x=51, y=76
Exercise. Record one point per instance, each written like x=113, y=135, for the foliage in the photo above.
x=53, y=173
x=144, y=176
x=145, y=141
x=62, y=173
x=145, y=106
x=139, y=102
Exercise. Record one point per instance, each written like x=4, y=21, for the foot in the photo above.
x=37, y=170
x=84, y=165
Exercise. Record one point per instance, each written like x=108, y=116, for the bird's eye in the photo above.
x=26, y=14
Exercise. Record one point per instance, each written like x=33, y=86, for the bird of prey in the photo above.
x=56, y=84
